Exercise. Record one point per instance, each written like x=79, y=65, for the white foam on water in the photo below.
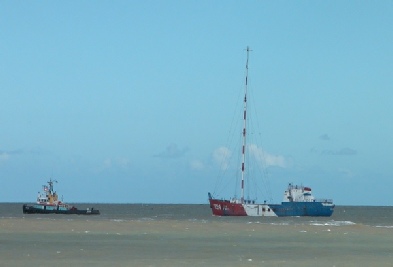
x=332, y=223
x=384, y=226
x=284, y=223
x=197, y=220
x=340, y=223
x=146, y=219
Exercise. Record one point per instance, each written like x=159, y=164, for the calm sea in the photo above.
x=188, y=235
x=343, y=215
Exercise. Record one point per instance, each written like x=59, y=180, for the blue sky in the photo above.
x=131, y=101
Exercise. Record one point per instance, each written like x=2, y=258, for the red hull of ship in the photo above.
x=225, y=208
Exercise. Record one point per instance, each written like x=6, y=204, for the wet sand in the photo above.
x=35, y=242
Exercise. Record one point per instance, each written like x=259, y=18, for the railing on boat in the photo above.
x=324, y=200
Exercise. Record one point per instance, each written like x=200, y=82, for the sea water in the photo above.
x=188, y=235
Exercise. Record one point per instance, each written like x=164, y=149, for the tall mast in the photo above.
x=244, y=126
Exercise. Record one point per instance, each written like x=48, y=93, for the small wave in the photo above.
x=146, y=219
x=384, y=226
x=333, y=223
x=283, y=223
x=257, y=222
x=197, y=220
x=10, y=217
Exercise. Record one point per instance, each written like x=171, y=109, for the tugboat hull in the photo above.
x=42, y=209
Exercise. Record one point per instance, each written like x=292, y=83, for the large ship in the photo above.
x=298, y=200
x=48, y=202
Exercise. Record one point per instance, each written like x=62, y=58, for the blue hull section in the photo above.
x=302, y=209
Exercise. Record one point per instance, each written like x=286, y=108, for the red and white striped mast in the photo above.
x=244, y=126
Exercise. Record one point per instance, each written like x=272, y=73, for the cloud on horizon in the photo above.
x=114, y=163
x=5, y=155
x=267, y=159
x=121, y=162
x=197, y=165
x=221, y=156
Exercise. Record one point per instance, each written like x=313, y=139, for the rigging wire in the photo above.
x=256, y=173
x=226, y=164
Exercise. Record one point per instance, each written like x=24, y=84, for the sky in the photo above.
x=131, y=101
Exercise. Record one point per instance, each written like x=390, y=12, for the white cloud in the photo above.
x=115, y=163
x=123, y=162
x=197, y=165
x=221, y=156
x=267, y=159
x=107, y=163
x=4, y=156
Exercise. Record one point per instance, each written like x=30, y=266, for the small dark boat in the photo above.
x=48, y=202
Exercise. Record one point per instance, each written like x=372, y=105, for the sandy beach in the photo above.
x=37, y=242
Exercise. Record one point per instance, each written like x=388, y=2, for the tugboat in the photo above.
x=48, y=202
x=298, y=200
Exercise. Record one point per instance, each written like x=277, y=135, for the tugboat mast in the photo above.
x=244, y=126
x=51, y=185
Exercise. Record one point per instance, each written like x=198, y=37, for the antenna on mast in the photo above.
x=244, y=125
